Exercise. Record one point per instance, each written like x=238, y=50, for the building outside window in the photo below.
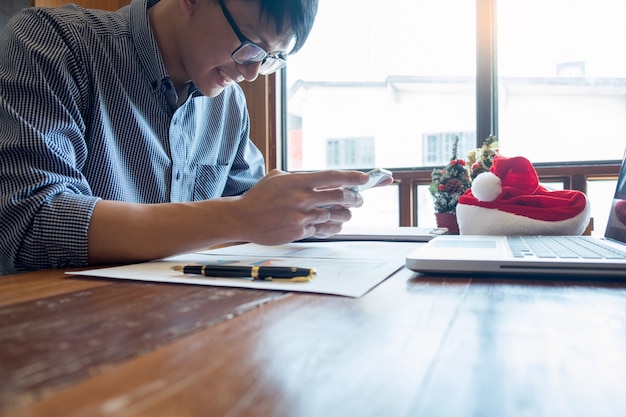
x=404, y=75
x=437, y=146
x=350, y=153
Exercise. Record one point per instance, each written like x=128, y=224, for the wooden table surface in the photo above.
x=413, y=346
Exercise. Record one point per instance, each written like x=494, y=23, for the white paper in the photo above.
x=343, y=268
x=388, y=234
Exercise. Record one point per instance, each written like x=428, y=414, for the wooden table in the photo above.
x=413, y=346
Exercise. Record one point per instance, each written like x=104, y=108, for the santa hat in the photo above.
x=508, y=200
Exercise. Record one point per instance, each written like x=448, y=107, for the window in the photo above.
x=562, y=81
x=350, y=153
x=380, y=79
x=545, y=76
x=438, y=145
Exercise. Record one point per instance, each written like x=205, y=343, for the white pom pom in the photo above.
x=486, y=186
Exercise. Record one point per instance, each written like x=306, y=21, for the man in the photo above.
x=124, y=136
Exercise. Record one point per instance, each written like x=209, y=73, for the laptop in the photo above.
x=531, y=255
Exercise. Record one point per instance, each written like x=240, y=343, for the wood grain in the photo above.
x=301, y=355
x=35, y=285
x=532, y=348
x=413, y=346
x=60, y=339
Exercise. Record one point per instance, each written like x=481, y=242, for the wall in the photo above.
x=8, y=8
x=89, y=4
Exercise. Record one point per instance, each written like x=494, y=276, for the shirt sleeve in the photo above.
x=45, y=202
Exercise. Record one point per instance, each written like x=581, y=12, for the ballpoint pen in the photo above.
x=257, y=273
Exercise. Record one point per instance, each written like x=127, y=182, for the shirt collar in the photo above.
x=145, y=43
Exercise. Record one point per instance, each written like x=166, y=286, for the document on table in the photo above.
x=385, y=234
x=343, y=268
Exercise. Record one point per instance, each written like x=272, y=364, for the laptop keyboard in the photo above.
x=562, y=247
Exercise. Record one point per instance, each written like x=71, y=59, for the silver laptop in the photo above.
x=530, y=255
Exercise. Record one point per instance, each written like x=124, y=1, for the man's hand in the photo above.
x=284, y=207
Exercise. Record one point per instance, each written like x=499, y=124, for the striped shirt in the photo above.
x=88, y=112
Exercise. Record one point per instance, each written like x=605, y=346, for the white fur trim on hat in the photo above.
x=475, y=220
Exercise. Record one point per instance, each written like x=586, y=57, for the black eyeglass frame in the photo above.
x=276, y=61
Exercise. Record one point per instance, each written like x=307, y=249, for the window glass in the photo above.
x=562, y=79
x=380, y=208
x=380, y=82
x=437, y=146
x=425, y=207
x=391, y=84
x=597, y=192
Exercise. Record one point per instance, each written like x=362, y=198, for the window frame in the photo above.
x=267, y=105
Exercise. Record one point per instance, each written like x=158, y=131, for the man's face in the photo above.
x=206, y=51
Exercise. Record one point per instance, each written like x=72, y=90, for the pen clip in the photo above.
x=292, y=279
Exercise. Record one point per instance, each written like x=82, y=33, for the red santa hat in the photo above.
x=508, y=200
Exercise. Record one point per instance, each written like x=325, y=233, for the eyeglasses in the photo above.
x=249, y=52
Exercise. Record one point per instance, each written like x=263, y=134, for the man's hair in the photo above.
x=300, y=13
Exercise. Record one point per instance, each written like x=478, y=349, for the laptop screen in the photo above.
x=616, y=226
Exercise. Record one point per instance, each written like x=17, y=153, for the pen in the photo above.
x=257, y=273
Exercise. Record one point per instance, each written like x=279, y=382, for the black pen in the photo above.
x=257, y=273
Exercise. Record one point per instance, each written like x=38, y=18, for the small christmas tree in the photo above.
x=450, y=182
x=481, y=159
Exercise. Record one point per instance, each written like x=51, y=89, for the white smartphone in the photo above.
x=375, y=176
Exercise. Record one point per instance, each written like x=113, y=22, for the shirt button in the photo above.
x=178, y=176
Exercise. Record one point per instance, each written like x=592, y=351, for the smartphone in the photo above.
x=375, y=176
